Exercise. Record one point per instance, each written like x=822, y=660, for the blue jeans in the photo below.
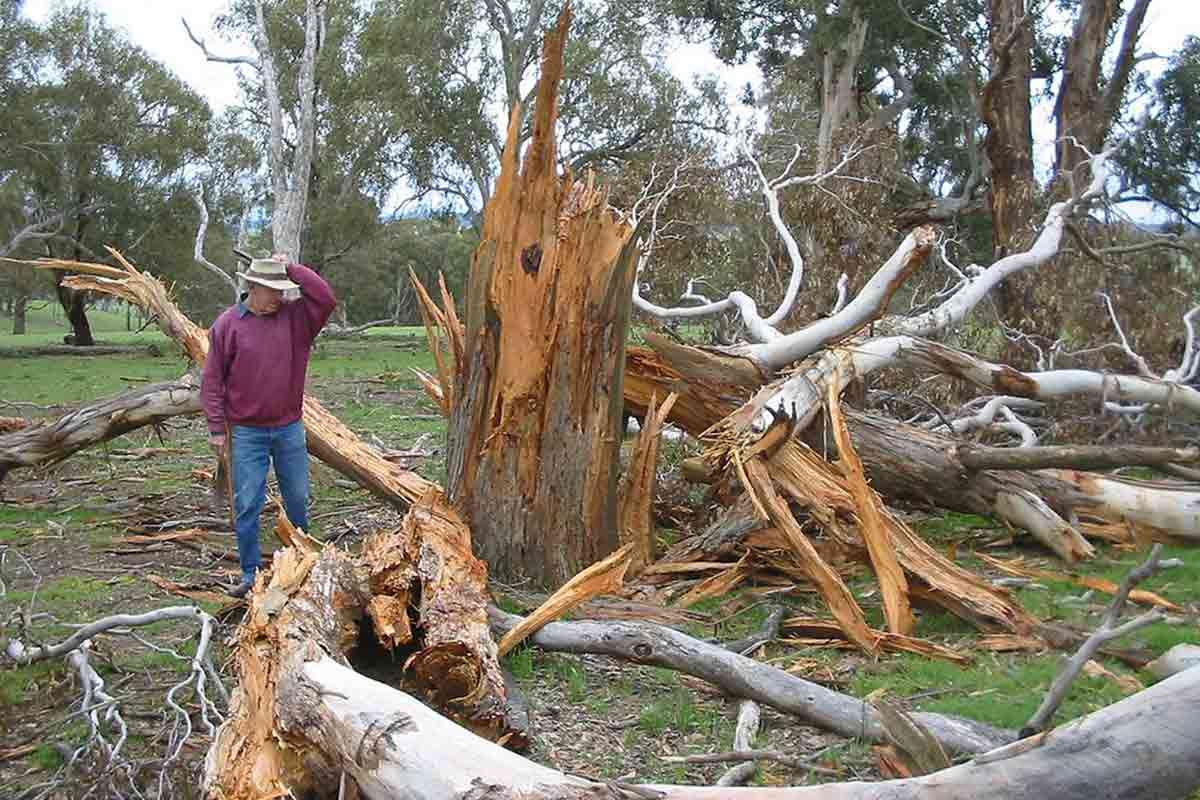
x=254, y=449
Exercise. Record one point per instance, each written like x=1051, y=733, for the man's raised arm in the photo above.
x=316, y=295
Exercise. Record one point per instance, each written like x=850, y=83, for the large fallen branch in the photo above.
x=1144, y=747
x=41, y=445
x=744, y=677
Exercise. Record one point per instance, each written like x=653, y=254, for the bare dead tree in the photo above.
x=289, y=174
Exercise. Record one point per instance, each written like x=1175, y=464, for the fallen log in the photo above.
x=975, y=456
x=38, y=445
x=744, y=677
x=428, y=565
x=75, y=350
x=1145, y=747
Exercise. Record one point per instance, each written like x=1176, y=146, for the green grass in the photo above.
x=999, y=689
x=19, y=686
x=519, y=662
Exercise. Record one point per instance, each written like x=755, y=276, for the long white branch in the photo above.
x=1045, y=247
x=800, y=396
x=22, y=655
x=868, y=305
x=198, y=252
x=789, y=243
x=209, y=55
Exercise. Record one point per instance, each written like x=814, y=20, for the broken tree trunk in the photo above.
x=307, y=608
x=1141, y=748
x=535, y=427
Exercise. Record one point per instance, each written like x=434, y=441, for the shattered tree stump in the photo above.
x=534, y=430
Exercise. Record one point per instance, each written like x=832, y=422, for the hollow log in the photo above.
x=1145, y=747
x=533, y=440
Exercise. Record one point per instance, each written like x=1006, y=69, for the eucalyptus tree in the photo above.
x=1161, y=165
x=101, y=134
x=459, y=69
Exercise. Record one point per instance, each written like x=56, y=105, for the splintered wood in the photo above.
x=638, y=487
x=835, y=592
x=880, y=545
x=427, y=567
x=531, y=380
x=811, y=631
x=307, y=606
x=779, y=471
x=603, y=577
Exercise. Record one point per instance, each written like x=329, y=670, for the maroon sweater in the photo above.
x=256, y=365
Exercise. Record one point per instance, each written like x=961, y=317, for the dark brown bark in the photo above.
x=1005, y=106
x=534, y=426
x=74, y=305
x=1006, y=110
x=19, y=304
x=1088, y=102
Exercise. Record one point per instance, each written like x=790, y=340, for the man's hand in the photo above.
x=217, y=442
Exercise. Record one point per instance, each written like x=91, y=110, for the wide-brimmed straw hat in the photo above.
x=270, y=273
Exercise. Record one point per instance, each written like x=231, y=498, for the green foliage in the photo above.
x=1163, y=159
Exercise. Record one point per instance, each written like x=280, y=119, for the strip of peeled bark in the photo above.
x=534, y=433
x=830, y=585
x=38, y=445
x=638, y=487
x=740, y=676
x=1144, y=747
x=603, y=577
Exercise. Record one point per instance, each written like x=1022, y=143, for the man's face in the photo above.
x=264, y=300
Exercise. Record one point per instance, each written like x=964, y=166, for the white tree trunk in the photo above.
x=1145, y=747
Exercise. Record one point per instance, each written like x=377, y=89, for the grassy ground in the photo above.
x=63, y=554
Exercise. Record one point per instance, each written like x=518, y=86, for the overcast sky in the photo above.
x=155, y=25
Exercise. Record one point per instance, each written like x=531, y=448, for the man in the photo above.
x=252, y=390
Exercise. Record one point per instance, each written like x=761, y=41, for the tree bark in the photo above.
x=1087, y=102
x=534, y=429
x=19, y=304
x=74, y=305
x=42, y=445
x=1006, y=110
